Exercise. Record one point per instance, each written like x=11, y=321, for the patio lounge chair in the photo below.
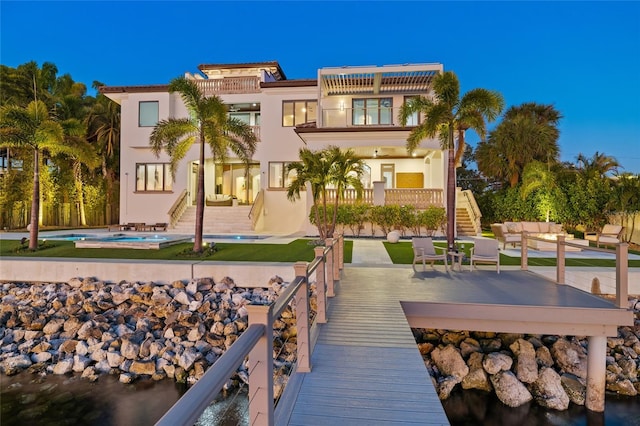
x=608, y=236
x=485, y=250
x=504, y=236
x=425, y=251
x=159, y=227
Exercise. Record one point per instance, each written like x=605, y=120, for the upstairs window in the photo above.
x=147, y=113
x=295, y=113
x=278, y=175
x=372, y=111
x=413, y=119
x=153, y=177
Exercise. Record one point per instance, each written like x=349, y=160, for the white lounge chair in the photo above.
x=485, y=250
x=425, y=251
x=609, y=236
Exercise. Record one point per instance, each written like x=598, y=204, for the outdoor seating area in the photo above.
x=609, y=235
x=511, y=232
x=139, y=227
x=485, y=250
x=424, y=251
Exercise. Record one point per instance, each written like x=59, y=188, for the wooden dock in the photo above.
x=366, y=367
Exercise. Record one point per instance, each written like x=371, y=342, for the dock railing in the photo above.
x=622, y=262
x=256, y=342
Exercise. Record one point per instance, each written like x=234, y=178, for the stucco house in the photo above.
x=350, y=107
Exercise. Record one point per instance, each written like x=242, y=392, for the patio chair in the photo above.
x=608, y=236
x=425, y=251
x=485, y=250
x=159, y=226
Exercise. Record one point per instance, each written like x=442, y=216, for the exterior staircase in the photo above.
x=464, y=223
x=217, y=220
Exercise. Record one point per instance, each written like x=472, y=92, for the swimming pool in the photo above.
x=235, y=237
x=144, y=242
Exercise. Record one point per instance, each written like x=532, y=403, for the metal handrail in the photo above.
x=189, y=408
x=622, y=262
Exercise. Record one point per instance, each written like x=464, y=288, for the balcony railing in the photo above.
x=229, y=85
x=359, y=117
x=420, y=198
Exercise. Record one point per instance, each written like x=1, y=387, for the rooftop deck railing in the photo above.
x=229, y=85
x=256, y=342
x=622, y=262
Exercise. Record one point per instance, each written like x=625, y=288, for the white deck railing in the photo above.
x=229, y=85
x=256, y=342
x=622, y=262
x=420, y=198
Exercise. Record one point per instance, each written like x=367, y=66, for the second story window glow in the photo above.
x=372, y=111
x=295, y=113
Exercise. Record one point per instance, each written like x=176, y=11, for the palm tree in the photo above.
x=32, y=127
x=322, y=169
x=527, y=132
x=209, y=123
x=597, y=166
x=446, y=115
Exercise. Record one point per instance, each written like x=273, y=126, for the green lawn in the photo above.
x=298, y=250
x=402, y=253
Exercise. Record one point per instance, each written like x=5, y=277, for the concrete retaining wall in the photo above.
x=244, y=274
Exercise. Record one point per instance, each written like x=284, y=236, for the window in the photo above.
x=372, y=111
x=153, y=177
x=295, y=113
x=148, y=113
x=413, y=119
x=278, y=176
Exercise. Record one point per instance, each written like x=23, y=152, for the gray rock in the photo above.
x=450, y=363
x=496, y=362
x=188, y=357
x=543, y=357
x=15, y=364
x=574, y=387
x=63, y=367
x=80, y=363
x=41, y=357
x=623, y=387
x=510, y=390
x=548, y=390
x=526, y=367
x=114, y=359
x=129, y=349
x=143, y=368
x=570, y=357
x=126, y=378
x=445, y=386
x=53, y=326
x=477, y=379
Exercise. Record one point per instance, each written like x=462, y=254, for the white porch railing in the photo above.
x=420, y=198
x=622, y=262
x=177, y=208
x=229, y=85
x=257, y=343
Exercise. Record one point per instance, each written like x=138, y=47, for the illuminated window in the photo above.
x=153, y=177
x=295, y=113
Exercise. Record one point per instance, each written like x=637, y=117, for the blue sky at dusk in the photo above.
x=582, y=57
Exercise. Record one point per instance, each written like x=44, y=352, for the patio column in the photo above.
x=378, y=193
x=596, y=373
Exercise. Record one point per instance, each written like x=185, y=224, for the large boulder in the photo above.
x=570, y=357
x=526, y=367
x=496, y=362
x=510, y=390
x=449, y=362
x=548, y=390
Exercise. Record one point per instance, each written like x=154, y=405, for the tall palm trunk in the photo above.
x=197, y=241
x=35, y=201
x=451, y=191
x=77, y=176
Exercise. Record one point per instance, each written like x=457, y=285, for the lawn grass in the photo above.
x=297, y=250
x=402, y=253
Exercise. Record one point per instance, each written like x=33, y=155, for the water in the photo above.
x=115, y=238
x=26, y=399
x=236, y=237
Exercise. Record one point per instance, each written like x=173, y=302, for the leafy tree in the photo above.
x=445, y=115
x=103, y=130
x=527, y=132
x=538, y=177
x=208, y=122
x=33, y=127
x=625, y=200
x=323, y=169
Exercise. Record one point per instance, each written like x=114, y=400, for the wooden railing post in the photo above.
x=622, y=275
x=261, y=368
x=341, y=251
x=524, y=262
x=321, y=287
x=329, y=268
x=301, y=302
x=560, y=267
x=335, y=248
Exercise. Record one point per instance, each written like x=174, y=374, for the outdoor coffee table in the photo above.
x=456, y=257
